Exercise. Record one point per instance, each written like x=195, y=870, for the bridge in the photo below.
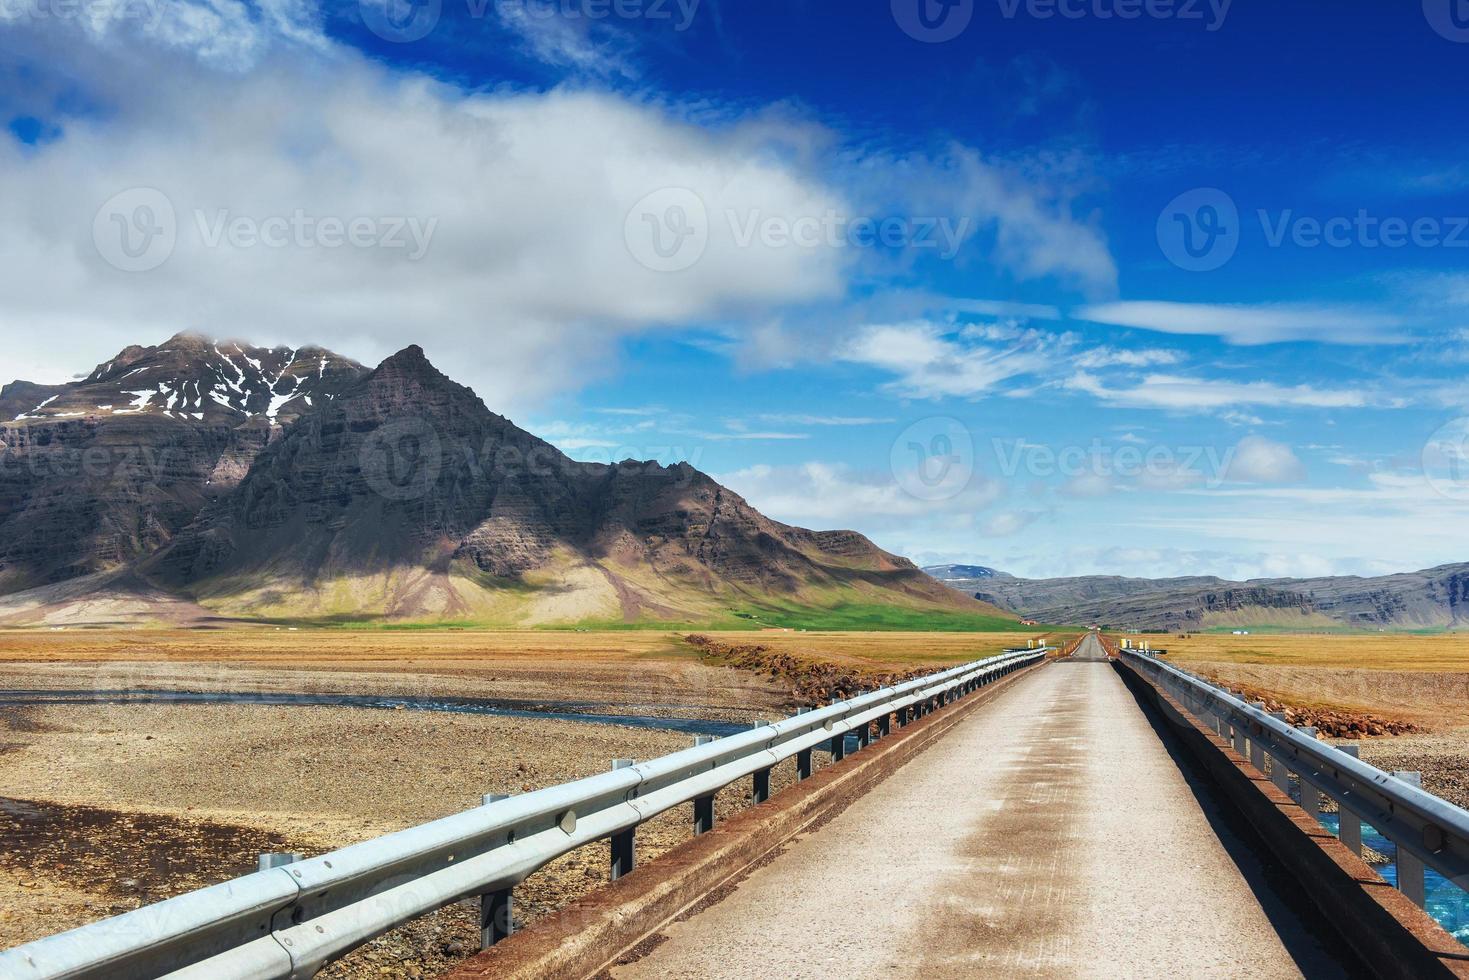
x=1094, y=813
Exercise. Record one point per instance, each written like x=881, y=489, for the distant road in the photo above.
x=1050, y=834
x=1091, y=649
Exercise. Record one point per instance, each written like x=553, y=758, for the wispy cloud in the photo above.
x=930, y=363
x=833, y=420
x=1248, y=325
x=588, y=46
x=1202, y=395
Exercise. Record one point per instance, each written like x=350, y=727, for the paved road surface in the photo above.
x=1049, y=834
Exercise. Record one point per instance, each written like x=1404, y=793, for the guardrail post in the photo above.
x=623, y=844
x=761, y=791
x=268, y=861
x=1257, y=746
x=864, y=735
x=850, y=744
x=838, y=747
x=1410, y=868
x=1279, y=772
x=703, y=805
x=1349, y=824
x=885, y=726
x=1310, y=795
x=803, y=764
x=496, y=909
x=496, y=916
x=704, y=814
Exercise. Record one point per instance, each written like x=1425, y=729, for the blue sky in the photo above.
x=1034, y=284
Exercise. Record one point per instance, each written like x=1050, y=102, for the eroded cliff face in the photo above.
x=100, y=472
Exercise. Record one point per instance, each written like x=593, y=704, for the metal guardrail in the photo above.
x=1429, y=832
x=290, y=921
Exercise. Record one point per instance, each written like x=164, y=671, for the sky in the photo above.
x=1140, y=287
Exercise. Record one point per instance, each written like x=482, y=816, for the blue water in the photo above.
x=582, y=711
x=1444, y=900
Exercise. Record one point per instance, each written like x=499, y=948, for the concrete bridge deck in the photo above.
x=1053, y=835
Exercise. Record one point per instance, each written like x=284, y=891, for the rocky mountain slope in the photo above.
x=1432, y=598
x=398, y=495
x=104, y=470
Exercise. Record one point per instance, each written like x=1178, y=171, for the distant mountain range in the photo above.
x=201, y=481
x=1433, y=598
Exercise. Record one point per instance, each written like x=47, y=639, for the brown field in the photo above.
x=1446, y=652
x=1422, y=681
x=104, y=807
x=411, y=650
x=1419, y=679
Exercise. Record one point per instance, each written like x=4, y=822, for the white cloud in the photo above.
x=1009, y=522
x=1265, y=324
x=1186, y=394
x=825, y=495
x=527, y=282
x=527, y=279
x=1102, y=357
x=832, y=420
x=932, y=364
x=1087, y=485
x=1259, y=460
x=224, y=34
x=591, y=47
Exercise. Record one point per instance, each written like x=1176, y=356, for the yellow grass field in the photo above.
x=1420, y=679
x=1369, y=651
x=414, y=650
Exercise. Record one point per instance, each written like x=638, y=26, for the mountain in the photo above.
x=1433, y=598
x=963, y=573
x=400, y=496
x=101, y=471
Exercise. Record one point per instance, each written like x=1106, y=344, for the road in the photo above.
x=1050, y=834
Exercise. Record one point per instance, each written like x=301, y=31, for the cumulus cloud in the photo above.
x=524, y=281
x=525, y=205
x=1256, y=459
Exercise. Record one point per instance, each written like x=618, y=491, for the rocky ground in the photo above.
x=1442, y=758
x=104, y=808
